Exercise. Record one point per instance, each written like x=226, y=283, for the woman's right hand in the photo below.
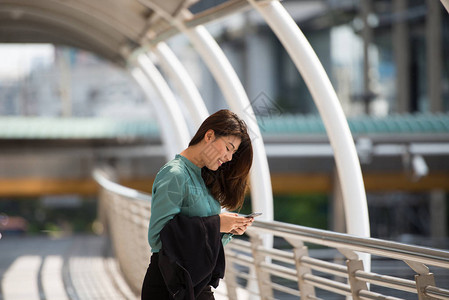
x=233, y=223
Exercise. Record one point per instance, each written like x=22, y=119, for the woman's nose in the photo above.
x=229, y=156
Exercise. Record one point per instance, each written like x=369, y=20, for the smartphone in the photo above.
x=253, y=215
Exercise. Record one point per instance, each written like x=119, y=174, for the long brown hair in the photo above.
x=228, y=183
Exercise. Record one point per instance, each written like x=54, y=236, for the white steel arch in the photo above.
x=224, y=74
x=293, y=39
x=235, y=95
x=144, y=83
x=170, y=118
x=345, y=153
x=175, y=70
x=330, y=109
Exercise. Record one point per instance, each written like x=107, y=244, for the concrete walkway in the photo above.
x=67, y=268
x=76, y=267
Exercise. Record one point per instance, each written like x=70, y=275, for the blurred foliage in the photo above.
x=44, y=219
x=306, y=210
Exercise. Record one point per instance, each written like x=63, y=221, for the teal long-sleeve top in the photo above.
x=179, y=188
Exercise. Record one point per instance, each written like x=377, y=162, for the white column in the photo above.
x=324, y=95
x=183, y=81
x=230, y=85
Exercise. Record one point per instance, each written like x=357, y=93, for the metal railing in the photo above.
x=305, y=262
x=341, y=275
x=125, y=215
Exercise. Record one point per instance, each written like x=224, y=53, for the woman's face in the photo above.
x=219, y=150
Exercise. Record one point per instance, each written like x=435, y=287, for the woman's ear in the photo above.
x=209, y=136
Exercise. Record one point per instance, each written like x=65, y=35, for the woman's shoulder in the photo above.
x=174, y=167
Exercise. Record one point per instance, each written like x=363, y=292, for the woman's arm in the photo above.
x=168, y=195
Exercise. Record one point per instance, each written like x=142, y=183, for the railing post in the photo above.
x=423, y=279
x=299, y=251
x=230, y=279
x=356, y=285
x=263, y=278
x=354, y=264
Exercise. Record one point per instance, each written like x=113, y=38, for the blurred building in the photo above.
x=383, y=57
x=76, y=84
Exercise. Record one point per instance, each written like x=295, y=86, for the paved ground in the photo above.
x=67, y=268
x=73, y=267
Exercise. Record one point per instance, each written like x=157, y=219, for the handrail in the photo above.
x=102, y=179
x=337, y=240
x=125, y=213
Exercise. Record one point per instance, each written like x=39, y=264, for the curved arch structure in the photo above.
x=184, y=82
x=89, y=25
x=170, y=144
x=235, y=95
x=308, y=64
x=325, y=98
x=166, y=107
x=124, y=31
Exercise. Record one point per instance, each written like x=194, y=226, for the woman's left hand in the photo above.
x=241, y=229
x=233, y=223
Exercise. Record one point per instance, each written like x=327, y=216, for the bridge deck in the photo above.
x=80, y=268
x=75, y=267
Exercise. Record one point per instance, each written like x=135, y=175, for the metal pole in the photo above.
x=367, y=34
x=173, y=68
x=434, y=56
x=401, y=48
x=166, y=128
x=167, y=109
x=324, y=95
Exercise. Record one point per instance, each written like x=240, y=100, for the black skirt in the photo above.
x=154, y=288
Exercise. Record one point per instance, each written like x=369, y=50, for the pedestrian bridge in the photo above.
x=274, y=260
x=300, y=263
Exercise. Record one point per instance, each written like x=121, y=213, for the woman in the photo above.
x=210, y=174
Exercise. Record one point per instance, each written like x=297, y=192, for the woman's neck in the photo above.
x=193, y=154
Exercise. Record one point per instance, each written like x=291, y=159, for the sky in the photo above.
x=16, y=59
